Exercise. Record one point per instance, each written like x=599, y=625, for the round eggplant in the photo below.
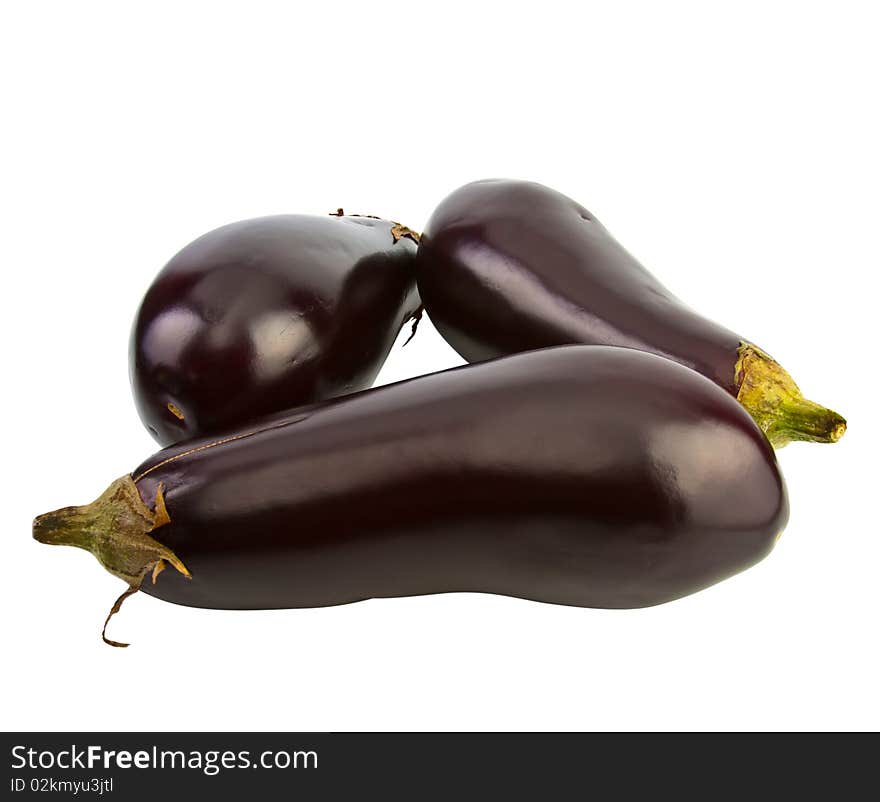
x=509, y=266
x=596, y=477
x=266, y=314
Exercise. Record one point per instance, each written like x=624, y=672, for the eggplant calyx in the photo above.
x=115, y=528
x=398, y=230
x=776, y=403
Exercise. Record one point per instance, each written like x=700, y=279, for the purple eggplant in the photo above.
x=595, y=477
x=509, y=266
x=263, y=315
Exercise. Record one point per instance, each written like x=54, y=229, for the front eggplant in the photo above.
x=587, y=476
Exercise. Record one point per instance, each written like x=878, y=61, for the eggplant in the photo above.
x=262, y=315
x=587, y=476
x=508, y=266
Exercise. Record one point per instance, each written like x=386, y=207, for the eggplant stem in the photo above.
x=776, y=403
x=115, y=528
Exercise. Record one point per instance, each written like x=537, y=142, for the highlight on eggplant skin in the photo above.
x=266, y=314
x=587, y=476
x=507, y=266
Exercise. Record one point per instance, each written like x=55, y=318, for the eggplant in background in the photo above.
x=266, y=314
x=508, y=266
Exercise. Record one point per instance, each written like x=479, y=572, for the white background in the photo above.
x=731, y=147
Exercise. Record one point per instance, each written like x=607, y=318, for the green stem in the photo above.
x=776, y=403
x=115, y=528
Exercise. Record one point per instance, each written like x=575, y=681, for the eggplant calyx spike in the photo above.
x=416, y=319
x=131, y=590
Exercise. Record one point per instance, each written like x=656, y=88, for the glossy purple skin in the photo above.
x=509, y=266
x=263, y=315
x=596, y=477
